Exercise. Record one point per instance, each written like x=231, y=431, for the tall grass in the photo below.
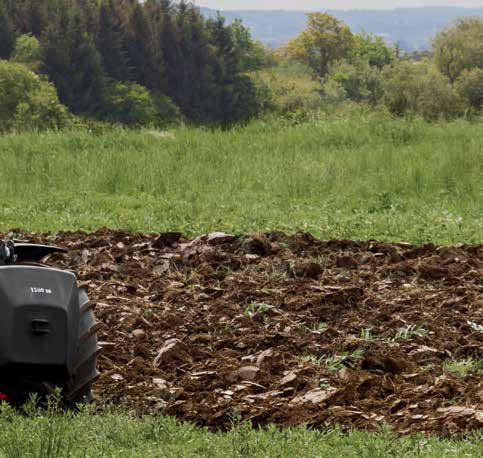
x=363, y=176
x=51, y=434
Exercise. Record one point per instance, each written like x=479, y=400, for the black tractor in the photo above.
x=48, y=334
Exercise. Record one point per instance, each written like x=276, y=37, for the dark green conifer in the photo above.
x=7, y=35
x=236, y=92
x=144, y=53
x=111, y=43
x=72, y=61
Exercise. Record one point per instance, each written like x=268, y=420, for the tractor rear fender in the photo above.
x=39, y=317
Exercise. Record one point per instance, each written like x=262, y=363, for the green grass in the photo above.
x=43, y=434
x=364, y=176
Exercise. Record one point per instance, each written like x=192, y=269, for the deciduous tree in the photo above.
x=459, y=47
x=324, y=40
x=27, y=101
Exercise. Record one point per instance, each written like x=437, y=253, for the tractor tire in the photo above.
x=78, y=390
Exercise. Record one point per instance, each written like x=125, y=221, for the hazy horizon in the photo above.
x=332, y=5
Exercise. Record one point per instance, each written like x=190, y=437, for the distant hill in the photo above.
x=412, y=28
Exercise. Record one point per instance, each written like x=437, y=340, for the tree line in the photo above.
x=155, y=62
x=132, y=61
x=446, y=83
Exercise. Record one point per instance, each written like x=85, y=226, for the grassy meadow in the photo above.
x=362, y=176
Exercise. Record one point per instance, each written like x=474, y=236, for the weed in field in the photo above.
x=335, y=363
x=323, y=261
x=312, y=359
x=323, y=383
x=256, y=308
x=367, y=335
x=384, y=203
x=464, y=367
x=410, y=331
x=223, y=271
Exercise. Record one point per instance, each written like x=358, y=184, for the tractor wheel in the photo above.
x=79, y=388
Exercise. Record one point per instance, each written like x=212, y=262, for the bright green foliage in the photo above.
x=7, y=35
x=358, y=81
x=411, y=87
x=459, y=47
x=132, y=104
x=372, y=49
x=27, y=101
x=470, y=86
x=349, y=175
x=129, y=103
x=325, y=40
x=29, y=52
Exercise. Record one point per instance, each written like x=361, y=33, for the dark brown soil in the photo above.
x=286, y=330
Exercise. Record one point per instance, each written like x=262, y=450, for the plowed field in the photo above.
x=284, y=329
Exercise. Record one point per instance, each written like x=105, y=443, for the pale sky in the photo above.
x=330, y=4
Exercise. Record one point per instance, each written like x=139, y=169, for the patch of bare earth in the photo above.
x=284, y=330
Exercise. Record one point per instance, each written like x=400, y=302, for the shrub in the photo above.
x=372, y=49
x=132, y=104
x=334, y=92
x=243, y=100
x=290, y=88
x=418, y=88
x=27, y=101
x=168, y=111
x=470, y=86
x=357, y=81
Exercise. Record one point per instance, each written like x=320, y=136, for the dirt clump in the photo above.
x=285, y=330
